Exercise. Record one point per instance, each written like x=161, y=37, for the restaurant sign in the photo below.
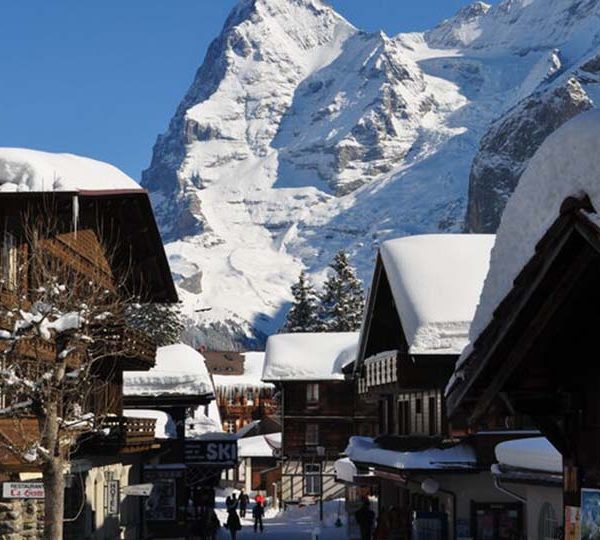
x=216, y=452
x=22, y=490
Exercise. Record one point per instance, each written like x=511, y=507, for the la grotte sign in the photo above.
x=207, y=452
x=22, y=490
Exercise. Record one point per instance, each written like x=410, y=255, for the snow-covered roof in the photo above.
x=365, y=450
x=253, y=369
x=345, y=470
x=165, y=425
x=179, y=371
x=309, y=356
x=22, y=169
x=259, y=446
x=436, y=281
x=537, y=454
x=201, y=424
x=566, y=165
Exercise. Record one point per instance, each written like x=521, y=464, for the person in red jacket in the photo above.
x=260, y=498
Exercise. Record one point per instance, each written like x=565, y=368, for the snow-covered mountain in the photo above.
x=301, y=135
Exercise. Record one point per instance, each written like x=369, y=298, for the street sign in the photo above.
x=211, y=452
x=22, y=490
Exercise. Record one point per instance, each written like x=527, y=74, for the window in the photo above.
x=312, y=434
x=432, y=415
x=312, y=393
x=230, y=426
x=548, y=523
x=312, y=479
x=8, y=266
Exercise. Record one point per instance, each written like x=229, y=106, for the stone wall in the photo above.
x=21, y=519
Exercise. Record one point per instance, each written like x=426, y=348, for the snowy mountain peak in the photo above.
x=301, y=135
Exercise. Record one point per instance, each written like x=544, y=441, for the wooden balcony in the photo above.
x=135, y=349
x=125, y=435
x=381, y=369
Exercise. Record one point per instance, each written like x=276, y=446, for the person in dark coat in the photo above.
x=211, y=524
x=231, y=503
x=365, y=518
x=233, y=524
x=257, y=513
x=244, y=501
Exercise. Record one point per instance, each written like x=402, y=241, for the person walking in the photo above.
x=365, y=517
x=244, y=500
x=259, y=498
x=257, y=513
x=233, y=523
x=232, y=502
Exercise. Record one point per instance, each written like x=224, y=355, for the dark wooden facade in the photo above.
x=85, y=225
x=536, y=355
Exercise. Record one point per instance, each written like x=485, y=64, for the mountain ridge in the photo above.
x=301, y=135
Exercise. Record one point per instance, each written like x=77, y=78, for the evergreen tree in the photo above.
x=302, y=317
x=342, y=299
x=162, y=322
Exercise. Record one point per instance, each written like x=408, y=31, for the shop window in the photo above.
x=8, y=266
x=312, y=393
x=548, y=528
x=312, y=479
x=312, y=435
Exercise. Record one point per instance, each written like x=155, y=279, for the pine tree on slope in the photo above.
x=302, y=316
x=342, y=300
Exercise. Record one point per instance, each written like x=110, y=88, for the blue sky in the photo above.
x=102, y=78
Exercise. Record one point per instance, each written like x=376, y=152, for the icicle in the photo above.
x=75, y=214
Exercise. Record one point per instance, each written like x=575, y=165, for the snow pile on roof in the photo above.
x=253, y=369
x=365, y=450
x=309, y=356
x=567, y=164
x=179, y=371
x=201, y=424
x=259, y=446
x=345, y=470
x=22, y=169
x=536, y=454
x=436, y=281
x=165, y=425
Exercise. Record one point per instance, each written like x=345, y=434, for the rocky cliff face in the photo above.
x=508, y=146
x=301, y=135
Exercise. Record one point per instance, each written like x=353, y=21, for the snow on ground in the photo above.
x=436, y=281
x=22, y=169
x=566, y=164
x=537, y=454
x=179, y=370
x=293, y=524
x=309, y=356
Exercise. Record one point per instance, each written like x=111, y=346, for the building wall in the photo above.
x=537, y=497
x=293, y=482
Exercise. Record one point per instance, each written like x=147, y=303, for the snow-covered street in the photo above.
x=293, y=524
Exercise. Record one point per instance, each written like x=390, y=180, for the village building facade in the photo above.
x=533, y=337
x=178, y=391
x=318, y=410
x=100, y=226
x=427, y=473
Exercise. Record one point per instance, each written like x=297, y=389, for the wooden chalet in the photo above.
x=319, y=410
x=86, y=224
x=533, y=358
x=191, y=462
x=425, y=470
x=242, y=397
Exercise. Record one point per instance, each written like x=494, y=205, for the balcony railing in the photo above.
x=379, y=370
x=128, y=433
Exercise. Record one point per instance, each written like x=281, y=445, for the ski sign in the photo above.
x=22, y=490
x=211, y=452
